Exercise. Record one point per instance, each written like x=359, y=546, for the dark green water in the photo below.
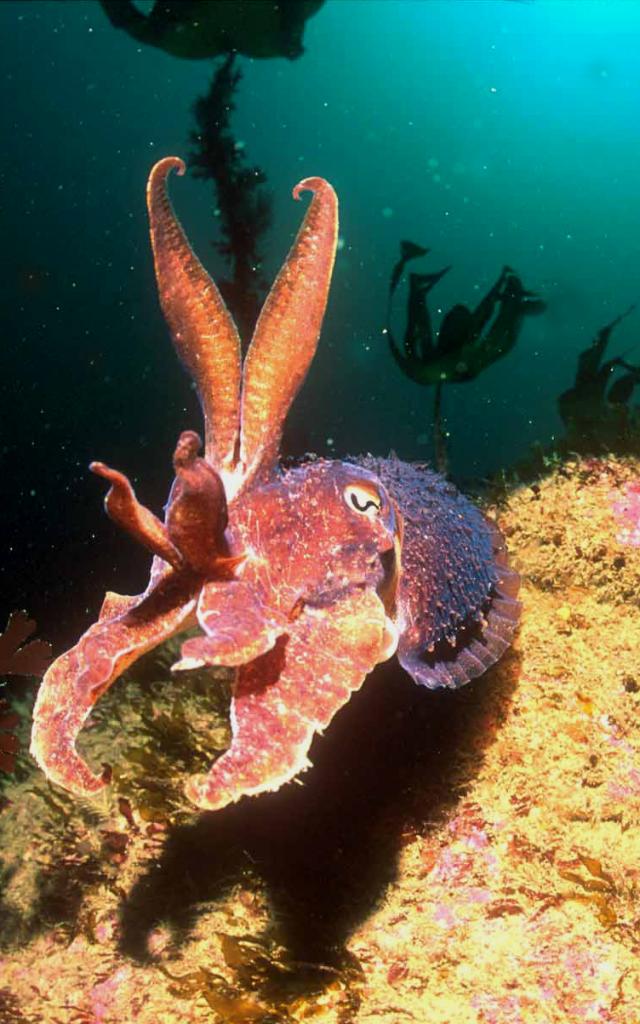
x=492, y=132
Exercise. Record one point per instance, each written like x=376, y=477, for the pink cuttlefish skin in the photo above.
x=302, y=580
x=302, y=622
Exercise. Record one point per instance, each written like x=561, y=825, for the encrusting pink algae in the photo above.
x=626, y=509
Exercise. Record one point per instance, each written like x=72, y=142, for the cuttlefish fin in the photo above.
x=475, y=649
x=201, y=326
x=283, y=698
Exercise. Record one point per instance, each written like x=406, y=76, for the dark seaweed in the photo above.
x=242, y=203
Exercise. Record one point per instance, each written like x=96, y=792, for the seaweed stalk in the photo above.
x=243, y=206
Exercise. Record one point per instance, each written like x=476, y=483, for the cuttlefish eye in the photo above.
x=363, y=499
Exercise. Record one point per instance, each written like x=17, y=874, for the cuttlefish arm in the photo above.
x=203, y=332
x=283, y=698
x=189, y=543
x=241, y=442
x=123, y=507
x=287, y=332
x=244, y=406
x=128, y=628
x=238, y=626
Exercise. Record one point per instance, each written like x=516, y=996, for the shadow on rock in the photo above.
x=393, y=764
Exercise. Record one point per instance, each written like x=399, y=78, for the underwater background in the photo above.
x=463, y=856
x=491, y=132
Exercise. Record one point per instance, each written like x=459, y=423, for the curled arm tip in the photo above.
x=316, y=185
x=101, y=469
x=161, y=169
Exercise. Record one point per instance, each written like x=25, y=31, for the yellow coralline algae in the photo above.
x=513, y=898
x=524, y=905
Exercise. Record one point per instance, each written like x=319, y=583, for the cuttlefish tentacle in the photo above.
x=283, y=698
x=78, y=678
x=201, y=327
x=286, y=335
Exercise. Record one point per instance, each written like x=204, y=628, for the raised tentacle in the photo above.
x=76, y=680
x=123, y=508
x=283, y=698
x=286, y=335
x=202, y=329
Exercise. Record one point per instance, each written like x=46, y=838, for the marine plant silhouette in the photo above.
x=468, y=340
x=198, y=29
x=18, y=658
x=596, y=409
x=242, y=203
x=9, y=721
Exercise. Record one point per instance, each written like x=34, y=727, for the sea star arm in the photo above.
x=284, y=697
x=77, y=679
x=286, y=335
x=202, y=329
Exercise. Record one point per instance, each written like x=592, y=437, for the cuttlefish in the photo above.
x=301, y=579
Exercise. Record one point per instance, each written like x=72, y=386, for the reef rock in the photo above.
x=467, y=856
